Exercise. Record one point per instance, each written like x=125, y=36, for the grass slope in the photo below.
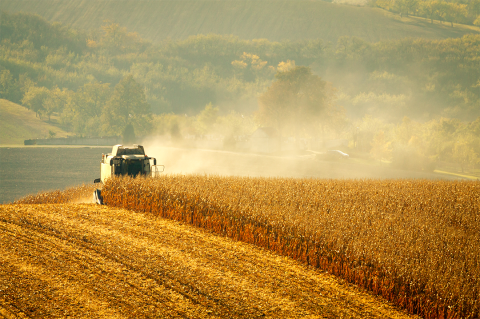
x=89, y=261
x=274, y=20
x=18, y=124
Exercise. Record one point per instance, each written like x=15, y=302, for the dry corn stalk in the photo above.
x=414, y=242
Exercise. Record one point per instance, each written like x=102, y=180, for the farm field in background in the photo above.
x=265, y=19
x=90, y=261
x=414, y=242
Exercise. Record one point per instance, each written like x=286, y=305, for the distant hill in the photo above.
x=274, y=20
x=18, y=124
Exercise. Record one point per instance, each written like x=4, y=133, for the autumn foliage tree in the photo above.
x=298, y=103
x=117, y=38
x=249, y=65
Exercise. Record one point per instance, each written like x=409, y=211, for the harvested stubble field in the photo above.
x=77, y=194
x=414, y=242
x=91, y=261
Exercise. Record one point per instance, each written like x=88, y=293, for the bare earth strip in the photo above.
x=88, y=261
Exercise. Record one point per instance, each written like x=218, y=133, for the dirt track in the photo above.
x=87, y=261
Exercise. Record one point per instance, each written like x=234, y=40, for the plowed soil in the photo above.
x=88, y=261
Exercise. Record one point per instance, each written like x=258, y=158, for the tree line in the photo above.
x=301, y=105
x=404, y=77
x=456, y=11
x=108, y=81
x=416, y=145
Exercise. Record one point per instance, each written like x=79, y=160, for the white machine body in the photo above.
x=130, y=161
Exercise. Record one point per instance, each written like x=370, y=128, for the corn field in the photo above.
x=414, y=242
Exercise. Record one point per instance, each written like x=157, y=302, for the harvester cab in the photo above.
x=130, y=161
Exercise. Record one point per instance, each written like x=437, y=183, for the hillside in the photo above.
x=274, y=20
x=88, y=261
x=17, y=124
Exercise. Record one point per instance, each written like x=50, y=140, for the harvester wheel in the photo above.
x=97, y=196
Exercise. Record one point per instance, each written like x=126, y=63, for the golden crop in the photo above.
x=415, y=242
x=69, y=195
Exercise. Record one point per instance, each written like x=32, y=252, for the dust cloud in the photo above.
x=183, y=160
x=84, y=200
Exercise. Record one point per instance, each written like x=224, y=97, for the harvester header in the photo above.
x=130, y=161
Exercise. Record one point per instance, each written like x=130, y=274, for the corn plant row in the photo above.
x=414, y=242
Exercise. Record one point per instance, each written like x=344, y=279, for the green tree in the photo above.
x=34, y=99
x=297, y=102
x=474, y=8
x=454, y=12
x=432, y=9
x=411, y=6
x=464, y=153
x=385, y=4
x=13, y=89
x=128, y=134
x=235, y=124
x=92, y=97
x=116, y=37
x=6, y=84
x=352, y=48
x=366, y=130
x=477, y=21
x=56, y=101
x=207, y=118
x=82, y=109
x=127, y=106
x=406, y=6
x=381, y=149
x=90, y=100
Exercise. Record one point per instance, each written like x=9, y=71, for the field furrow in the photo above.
x=87, y=261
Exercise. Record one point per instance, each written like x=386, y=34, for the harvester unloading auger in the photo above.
x=130, y=161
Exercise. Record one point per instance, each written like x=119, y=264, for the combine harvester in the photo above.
x=130, y=161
